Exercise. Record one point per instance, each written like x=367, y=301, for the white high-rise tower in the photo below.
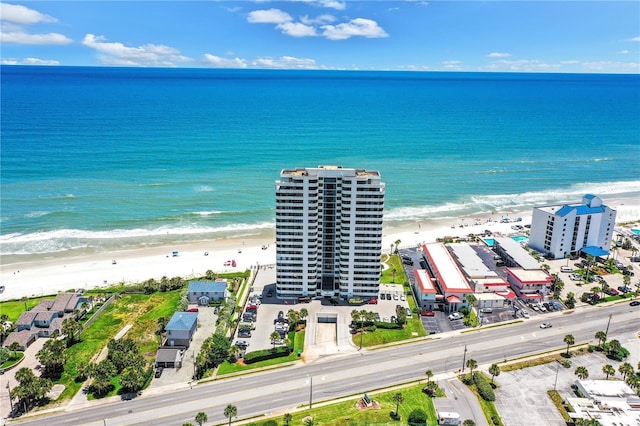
x=328, y=232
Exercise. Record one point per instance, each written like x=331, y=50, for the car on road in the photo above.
x=158, y=372
x=635, y=303
x=425, y=313
x=525, y=314
x=455, y=316
x=546, y=325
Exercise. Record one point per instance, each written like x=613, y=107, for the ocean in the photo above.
x=97, y=159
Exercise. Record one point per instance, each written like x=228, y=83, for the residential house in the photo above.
x=203, y=292
x=181, y=328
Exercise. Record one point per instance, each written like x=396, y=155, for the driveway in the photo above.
x=460, y=400
x=9, y=376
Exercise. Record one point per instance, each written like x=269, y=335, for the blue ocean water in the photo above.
x=100, y=158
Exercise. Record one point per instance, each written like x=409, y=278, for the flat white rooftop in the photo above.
x=530, y=276
x=517, y=253
x=449, y=276
x=472, y=264
x=424, y=281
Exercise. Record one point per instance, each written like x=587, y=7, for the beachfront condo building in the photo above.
x=328, y=232
x=563, y=230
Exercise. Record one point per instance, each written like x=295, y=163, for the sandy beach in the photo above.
x=49, y=276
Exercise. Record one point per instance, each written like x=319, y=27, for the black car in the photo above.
x=244, y=334
x=159, y=372
x=635, y=303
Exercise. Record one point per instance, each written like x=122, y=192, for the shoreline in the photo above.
x=56, y=273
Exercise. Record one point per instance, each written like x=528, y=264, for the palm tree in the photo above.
x=397, y=243
x=398, y=399
x=494, y=370
x=471, y=364
x=614, y=347
x=468, y=422
x=230, y=411
x=393, y=271
x=633, y=380
x=601, y=336
x=287, y=418
x=429, y=375
x=201, y=417
x=608, y=370
x=625, y=369
x=304, y=313
x=569, y=340
x=581, y=372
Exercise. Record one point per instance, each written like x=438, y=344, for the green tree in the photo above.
x=230, y=411
x=614, y=347
x=471, y=365
x=625, y=369
x=30, y=389
x=494, y=370
x=570, y=301
x=70, y=327
x=132, y=379
x=608, y=370
x=468, y=422
x=202, y=417
x=429, y=375
x=397, y=243
x=52, y=357
x=294, y=317
x=569, y=340
x=187, y=424
x=398, y=399
x=601, y=336
x=417, y=417
x=274, y=336
x=219, y=349
x=304, y=313
x=581, y=372
x=287, y=418
x=162, y=323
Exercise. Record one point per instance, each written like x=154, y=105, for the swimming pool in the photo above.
x=520, y=239
x=636, y=231
x=489, y=241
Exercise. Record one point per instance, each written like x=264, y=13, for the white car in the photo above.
x=575, y=277
x=545, y=325
x=456, y=316
x=525, y=314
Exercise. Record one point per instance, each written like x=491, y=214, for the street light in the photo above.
x=10, y=399
x=310, y=392
x=606, y=333
x=556, y=381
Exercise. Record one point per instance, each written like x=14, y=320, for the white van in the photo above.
x=567, y=269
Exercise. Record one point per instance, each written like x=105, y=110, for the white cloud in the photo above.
x=636, y=39
x=319, y=20
x=296, y=29
x=22, y=15
x=20, y=37
x=570, y=62
x=145, y=55
x=218, y=62
x=521, y=65
x=285, y=62
x=356, y=27
x=452, y=65
x=612, y=67
x=623, y=52
x=14, y=18
x=499, y=55
x=333, y=4
x=271, y=16
x=28, y=61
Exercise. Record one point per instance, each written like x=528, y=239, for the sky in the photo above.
x=475, y=36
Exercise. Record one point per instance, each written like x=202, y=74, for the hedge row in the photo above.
x=484, y=387
x=387, y=325
x=262, y=355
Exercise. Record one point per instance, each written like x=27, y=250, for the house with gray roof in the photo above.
x=203, y=292
x=181, y=328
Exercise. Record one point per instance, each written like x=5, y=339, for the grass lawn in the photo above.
x=298, y=344
x=346, y=413
x=140, y=310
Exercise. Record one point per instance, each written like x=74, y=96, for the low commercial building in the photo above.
x=530, y=284
x=610, y=402
x=513, y=254
x=425, y=289
x=451, y=282
x=482, y=278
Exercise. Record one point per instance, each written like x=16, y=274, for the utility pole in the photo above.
x=556, y=382
x=464, y=357
x=310, y=392
x=606, y=333
x=10, y=399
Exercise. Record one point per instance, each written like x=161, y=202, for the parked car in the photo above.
x=389, y=296
x=455, y=316
x=525, y=314
x=425, y=313
x=575, y=277
x=486, y=310
x=396, y=297
x=627, y=272
x=158, y=372
x=546, y=325
x=244, y=333
x=402, y=297
x=408, y=312
x=242, y=343
x=372, y=301
x=192, y=310
x=612, y=292
x=566, y=269
x=625, y=289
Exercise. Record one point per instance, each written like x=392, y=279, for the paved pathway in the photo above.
x=460, y=400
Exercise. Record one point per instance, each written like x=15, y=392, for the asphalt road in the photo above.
x=277, y=391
